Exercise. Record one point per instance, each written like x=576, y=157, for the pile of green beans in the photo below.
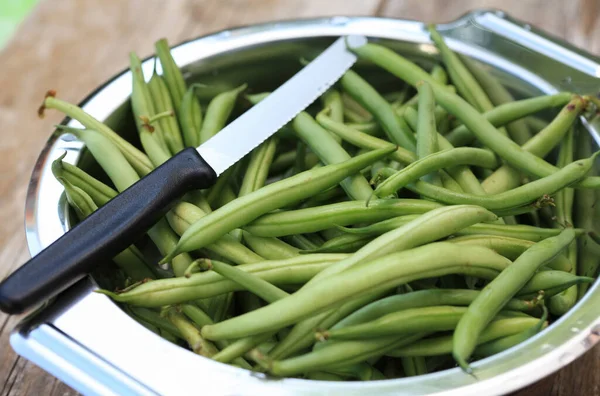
x=380, y=234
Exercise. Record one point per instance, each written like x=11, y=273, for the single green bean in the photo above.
x=517, y=130
x=209, y=284
x=346, y=353
x=184, y=214
x=269, y=247
x=501, y=344
x=218, y=111
x=191, y=334
x=155, y=319
x=417, y=299
x=319, y=218
x=252, y=283
x=495, y=295
x=554, y=281
x=434, y=162
x=271, y=197
x=442, y=345
x=437, y=318
x=512, y=247
x=508, y=113
x=426, y=132
x=521, y=231
x=564, y=301
x=367, y=96
x=190, y=117
x=363, y=140
x=330, y=152
x=464, y=81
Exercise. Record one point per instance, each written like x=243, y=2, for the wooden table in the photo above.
x=74, y=45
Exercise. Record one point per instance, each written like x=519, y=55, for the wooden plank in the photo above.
x=74, y=45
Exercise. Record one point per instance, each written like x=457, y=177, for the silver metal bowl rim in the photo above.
x=584, y=328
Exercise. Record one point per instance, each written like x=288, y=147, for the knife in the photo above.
x=119, y=223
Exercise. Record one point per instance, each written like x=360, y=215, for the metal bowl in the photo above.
x=87, y=341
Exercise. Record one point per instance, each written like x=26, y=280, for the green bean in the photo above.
x=512, y=247
x=383, y=273
x=218, y=111
x=363, y=140
x=191, y=334
x=418, y=299
x=552, y=282
x=342, y=244
x=537, y=191
x=434, y=162
x=463, y=175
x=481, y=128
x=410, y=320
x=155, y=319
x=270, y=248
x=301, y=242
x=138, y=160
x=184, y=214
x=171, y=73
x=355, y=108
x=541, y=144
x=509, y=113
x=216, y=191
x=426, y=135
x=301, y=335
x=369, y=128
x=141, y=102
x=333, y=100
x=253, y=284
x=442, y=345
x=98, y=191
x=517, y=130
x=464, y=81
x=521, y=231
x=108, y=156
x=429, y=227
x=200, y=318
x=501, y=344
x=319, y=218
x=190, y=117
x=437, y=318
x=561, y=303
x=495, y=295
x=258, y=167
x=330, y=152
x=346, y=352
x=367, y=96
x=163, y=103
x=271, y=197
x=130, y=259
x=208, y=284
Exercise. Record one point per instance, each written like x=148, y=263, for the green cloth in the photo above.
x=12, y=12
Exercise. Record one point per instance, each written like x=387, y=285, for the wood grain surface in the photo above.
x=74, y=45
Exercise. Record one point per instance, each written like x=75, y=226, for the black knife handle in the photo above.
x=105, y=233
